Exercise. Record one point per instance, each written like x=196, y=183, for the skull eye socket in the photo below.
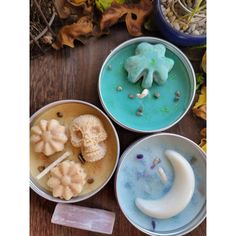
x=78, y=134
x=95, y=130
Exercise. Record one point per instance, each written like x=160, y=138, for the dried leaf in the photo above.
x=85, y=5
x=203, y=64
x=67, y=34
x=203, y=132
x=102, y=5
x=203, y=143
x=69, y=9
x=201, y=99
x=76, y=2
x=63, y=10
x=199, y=108
x=134, y=14
x=88, y=7
x=201, y=112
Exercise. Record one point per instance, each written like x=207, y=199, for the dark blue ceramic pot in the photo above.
x=172, y=34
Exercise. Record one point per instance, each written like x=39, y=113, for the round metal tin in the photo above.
x=172, y=48
x=195, y=222
x=39, y=190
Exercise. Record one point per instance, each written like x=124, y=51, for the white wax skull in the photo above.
x=87, y=132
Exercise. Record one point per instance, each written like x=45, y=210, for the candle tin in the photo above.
x=135, y=177
x=85, y=106
x=116, y=93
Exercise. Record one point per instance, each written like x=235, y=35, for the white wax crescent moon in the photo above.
x=179, y=195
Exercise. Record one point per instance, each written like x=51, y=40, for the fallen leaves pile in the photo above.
x=85, y=18
x=134, y=16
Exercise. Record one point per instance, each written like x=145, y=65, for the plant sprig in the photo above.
x=195, y=11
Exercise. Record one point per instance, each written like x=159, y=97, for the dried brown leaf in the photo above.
x=203, y=63
x=86, y=6
x=203, y=143
x=67, y=34
x=203, y=132
x=70, y=8
x=63, y=10
x=76, y=2
x=199, y=108
x=134, y=16
x=200, y=111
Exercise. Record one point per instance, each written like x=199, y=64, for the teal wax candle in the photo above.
x=158, y=113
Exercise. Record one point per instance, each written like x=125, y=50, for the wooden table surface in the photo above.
x=73, y=74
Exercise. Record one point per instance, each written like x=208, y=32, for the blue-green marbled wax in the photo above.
x=135, y=179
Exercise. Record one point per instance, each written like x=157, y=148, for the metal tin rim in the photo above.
x=170, y=46
x=49, y=197
x=202, y=213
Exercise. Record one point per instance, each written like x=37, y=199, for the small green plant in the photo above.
x=200, y=5
x=191, y=8
x=188, y=16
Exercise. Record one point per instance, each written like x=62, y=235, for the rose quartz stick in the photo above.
x=84, y=218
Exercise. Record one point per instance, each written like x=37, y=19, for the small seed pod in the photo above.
x=119, y=88
x=140, y=109
x=157, y=95
x=176, y=99
x=138, y=113
x=155, y=162
x=59, y=114
x=131, y=96
x=177, y=93
x=90, y=180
